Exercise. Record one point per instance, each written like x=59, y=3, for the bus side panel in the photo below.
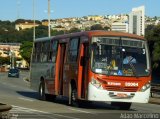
x=45, y=71
x=34, y=78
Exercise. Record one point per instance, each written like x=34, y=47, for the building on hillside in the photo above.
x=137, y=21
x=58, y=28
x=148, y=22
x=94, y=18
x=119, y=26
x=12, y=50
x=157, y=22
x=25, y=25
x=45, y=23
x=5, y=48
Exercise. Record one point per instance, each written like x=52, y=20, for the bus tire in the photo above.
x=122, y=105
x=41, y=92
x=50, y=97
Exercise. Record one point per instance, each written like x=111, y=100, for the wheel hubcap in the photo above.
x=41, y=91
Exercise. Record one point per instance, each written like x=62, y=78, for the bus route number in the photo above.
x=131, y=84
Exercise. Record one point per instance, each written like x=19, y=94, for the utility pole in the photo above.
x=33, y=20
x=18, y=9
x=49, y=25
x=13, y=61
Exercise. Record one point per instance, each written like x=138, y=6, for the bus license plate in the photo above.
x=122, y=95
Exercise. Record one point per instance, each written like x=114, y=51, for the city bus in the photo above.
x=92, y=66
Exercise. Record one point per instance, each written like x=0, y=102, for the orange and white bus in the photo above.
x=93, y=66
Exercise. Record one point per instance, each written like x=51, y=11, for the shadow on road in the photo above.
x=64, y=101
x=28, y=94
x=91, y=105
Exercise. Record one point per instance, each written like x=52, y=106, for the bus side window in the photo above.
x=38, y=51
x=49, y=56
x=54, y=50
x=73, y=49
x=45, y=51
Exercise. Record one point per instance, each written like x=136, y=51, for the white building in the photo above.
x=119, y=26
x=26, y=25
x=137, y=21
x=157, y=22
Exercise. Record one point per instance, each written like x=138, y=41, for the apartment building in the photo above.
x=137, y=21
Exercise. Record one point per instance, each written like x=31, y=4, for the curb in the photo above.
x=24, y=79
x=154, y=101
x=5, y=107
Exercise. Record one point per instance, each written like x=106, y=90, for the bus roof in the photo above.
x=43, y=39
x=114, y=33
x=99, y=33
x=92, y=33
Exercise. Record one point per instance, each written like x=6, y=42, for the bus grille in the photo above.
x=122, y=89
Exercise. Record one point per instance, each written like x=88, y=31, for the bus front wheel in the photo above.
x=122, y=105
x=41, y=92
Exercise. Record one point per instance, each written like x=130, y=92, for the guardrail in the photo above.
x=155, y=88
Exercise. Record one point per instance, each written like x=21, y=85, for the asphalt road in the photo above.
x=16, y=92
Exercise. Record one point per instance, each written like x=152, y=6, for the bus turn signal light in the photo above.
x=146, y=86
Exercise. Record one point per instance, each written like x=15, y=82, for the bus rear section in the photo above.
x=119, y=71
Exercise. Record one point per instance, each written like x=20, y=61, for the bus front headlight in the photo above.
x=145, y=87
x=96, y=83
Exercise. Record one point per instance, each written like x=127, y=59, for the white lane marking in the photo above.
x=33, y=115
x=27, y=109
x=77, y=110
x=20, y=109
x=26, y=99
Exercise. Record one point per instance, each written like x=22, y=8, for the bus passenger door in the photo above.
x=59, y=68
x=83, y=71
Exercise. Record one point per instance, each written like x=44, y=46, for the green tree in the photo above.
x=87, y=28
x=4, y=60
x=153, y=37
x=97, y=27
x=73, y=30
x=107, y=28
x=26, y=50
x=24, y=20
x=41, y=31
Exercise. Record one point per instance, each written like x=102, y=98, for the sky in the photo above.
x=23, y=9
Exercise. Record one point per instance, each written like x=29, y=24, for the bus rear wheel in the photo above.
x=122, y=105
x=41, y=92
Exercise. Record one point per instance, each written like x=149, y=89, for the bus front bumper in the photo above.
x=96, y=94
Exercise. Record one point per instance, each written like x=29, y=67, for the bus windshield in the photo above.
x=119, y=56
